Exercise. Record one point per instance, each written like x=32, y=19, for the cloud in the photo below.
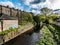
x=37, y=1
x=38, y=4
x=5, y=3
x=27, y=2
x=33, y=5
x=55, y=4
x=35, y=11
x=52, y=4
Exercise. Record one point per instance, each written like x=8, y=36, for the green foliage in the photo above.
x=50, y=35
x=51, y=27
x=46, y=37
x=53, y=16
x=39, y=19
x=50, y=20
x=7, y=31
x=45, y=11
x=25, y=17
x=56, y=34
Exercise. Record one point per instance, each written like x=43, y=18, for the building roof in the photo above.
x=7, y=17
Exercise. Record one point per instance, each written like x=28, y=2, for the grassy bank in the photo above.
x=13, y=29
x=50, y=35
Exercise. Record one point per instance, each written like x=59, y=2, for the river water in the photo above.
x=25, y=39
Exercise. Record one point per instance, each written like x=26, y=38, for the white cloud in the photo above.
x=34, y=6
x=27, y=2
x=41, y=5
x=7, y=3
x=52, y=4
x=35, y=11
x=56, y=4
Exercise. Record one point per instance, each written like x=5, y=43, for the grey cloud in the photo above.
x=37, y=1
x=34, y=9
x=38, y=4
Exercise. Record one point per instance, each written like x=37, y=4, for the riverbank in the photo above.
x=18, y=32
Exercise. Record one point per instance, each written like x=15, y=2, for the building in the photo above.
x=8, y=18
x=6, y=24
x=6, y=10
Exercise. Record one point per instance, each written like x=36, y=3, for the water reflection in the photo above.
x=25, y=39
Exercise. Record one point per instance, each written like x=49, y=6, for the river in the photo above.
x=25, y=39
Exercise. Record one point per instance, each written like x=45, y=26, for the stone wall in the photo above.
x=14, y=12
x=5, y=10
x=10, y=23
x=0, y=27
x=0, y=9
x=9, y=11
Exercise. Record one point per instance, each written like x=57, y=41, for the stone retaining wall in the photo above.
x=10, y=23
x=16, y=33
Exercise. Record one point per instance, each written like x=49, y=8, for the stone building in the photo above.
x=6, y=24
x=14, y=12
x=6, y=10
x=8, y=18
x=0, y=27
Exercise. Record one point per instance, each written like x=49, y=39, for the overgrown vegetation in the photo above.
x=50, y=33
x=25, y=18
x=46, y=37
x=7, y=31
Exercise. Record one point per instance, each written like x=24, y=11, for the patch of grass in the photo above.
x=7, y=31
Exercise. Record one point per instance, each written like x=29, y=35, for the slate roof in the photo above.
x=6, y=17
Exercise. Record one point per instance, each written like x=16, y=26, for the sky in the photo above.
x=31, y=5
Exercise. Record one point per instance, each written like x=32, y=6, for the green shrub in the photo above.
x=7, y=31
x=46, y=37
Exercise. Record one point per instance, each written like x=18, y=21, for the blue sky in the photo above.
x=31, y=5
x=18, y=4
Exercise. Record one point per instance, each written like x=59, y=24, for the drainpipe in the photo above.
x=2, y=30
